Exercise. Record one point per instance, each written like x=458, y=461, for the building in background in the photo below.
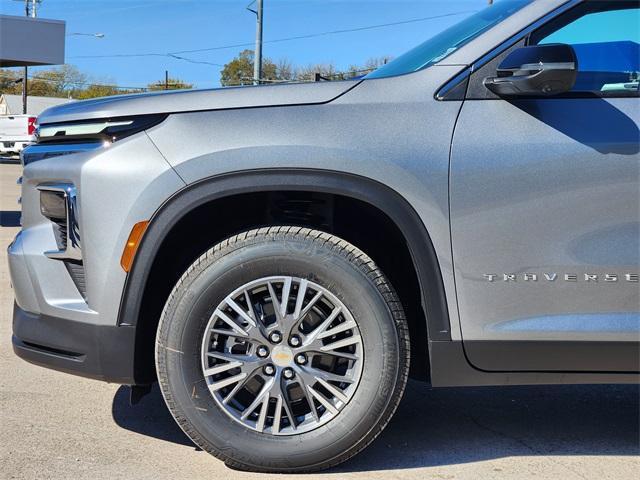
x=27, y=41
x=12, y=104
x=31, y=41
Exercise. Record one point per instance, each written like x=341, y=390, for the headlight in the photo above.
x=55, y=139
x=103, y=130
x=53, y=204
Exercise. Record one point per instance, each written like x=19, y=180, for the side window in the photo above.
x=606, y=38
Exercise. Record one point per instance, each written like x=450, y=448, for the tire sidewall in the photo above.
x=205, y=287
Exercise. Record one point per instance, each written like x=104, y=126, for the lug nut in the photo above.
x=275, y=337
x=262, y=351
x=288, y=373
x=269, y=370
x=295, y=341
x=301, y=359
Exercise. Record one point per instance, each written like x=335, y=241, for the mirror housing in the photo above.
x=534, y=71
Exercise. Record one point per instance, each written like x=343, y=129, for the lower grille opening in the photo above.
x=60, y=231
x=76, y=271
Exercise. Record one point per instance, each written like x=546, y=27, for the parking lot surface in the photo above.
x=58, y=426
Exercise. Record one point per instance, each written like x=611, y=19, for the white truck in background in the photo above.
x=16, y=132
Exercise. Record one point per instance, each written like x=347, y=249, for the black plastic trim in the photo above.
x=549, y=356
x=94, y=351
x=360, y=188
x=450, y=367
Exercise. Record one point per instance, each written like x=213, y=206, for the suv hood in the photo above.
x=198, y=100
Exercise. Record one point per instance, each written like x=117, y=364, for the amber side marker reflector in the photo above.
x=129, y=252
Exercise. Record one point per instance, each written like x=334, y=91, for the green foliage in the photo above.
x=65, y=81
x=239, y=71
x=171, y=84
x=8, y=81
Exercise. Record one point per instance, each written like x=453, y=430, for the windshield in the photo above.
x=448, y=41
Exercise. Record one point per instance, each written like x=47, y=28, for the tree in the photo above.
x=239, y=71
x=325, y=70
x=285, y=70
x=376, y=62
x=170, y=84
x=10, y=81
x=96, y=90
x=57, y=82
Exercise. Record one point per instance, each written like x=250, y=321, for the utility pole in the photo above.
x=257, y=55
x=166, y=79
x=29, y=12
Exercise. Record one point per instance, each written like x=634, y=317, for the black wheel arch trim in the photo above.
x=422, y=251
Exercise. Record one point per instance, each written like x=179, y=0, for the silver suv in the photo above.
x=282, y=258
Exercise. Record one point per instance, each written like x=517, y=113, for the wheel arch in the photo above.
x=379, y=196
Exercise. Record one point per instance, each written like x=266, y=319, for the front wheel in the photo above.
x=282, y=349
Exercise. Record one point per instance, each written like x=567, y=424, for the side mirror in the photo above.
x=534, y=71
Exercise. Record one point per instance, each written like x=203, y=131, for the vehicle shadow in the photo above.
x=583, y=119
x=10, y=218
x=435, y=427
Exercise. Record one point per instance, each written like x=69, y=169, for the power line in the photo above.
x=332, y=32
x=76, y=83
x=176, y=54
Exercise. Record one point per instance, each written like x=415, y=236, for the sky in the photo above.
x=157, y=27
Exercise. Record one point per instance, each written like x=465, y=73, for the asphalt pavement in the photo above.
x=57, y=426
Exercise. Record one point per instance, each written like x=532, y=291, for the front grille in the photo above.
x=76, y=271
x=60, y=231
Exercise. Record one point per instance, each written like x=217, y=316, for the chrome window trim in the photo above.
x=494, y=52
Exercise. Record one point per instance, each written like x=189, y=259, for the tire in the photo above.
x=300, y=438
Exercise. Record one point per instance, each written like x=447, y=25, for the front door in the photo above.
x=545, y=209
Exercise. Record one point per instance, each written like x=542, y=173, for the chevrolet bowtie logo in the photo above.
x=282, y=357
x=566, y=277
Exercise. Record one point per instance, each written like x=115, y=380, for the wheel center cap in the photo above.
x=282, y=356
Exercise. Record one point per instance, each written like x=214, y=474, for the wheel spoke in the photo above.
x=308, y=307
x=240, y=311
x=221, y=368
x=247, y=298
x=324, y=401
x=237, y=388
x=286, y=289
x=306, y=381
x=275, y=302
x=277, y=416
x=288, y=412
x=328, y=376
x=348, y=356
x=229, y=357
x=226, y=319
x=343, y=327
x=333, y=390
x=302, y=291
x=215, y=386
x=262, y=416
x=345, y=342
x=264, y=392
x=252, y=388
x=314, y=335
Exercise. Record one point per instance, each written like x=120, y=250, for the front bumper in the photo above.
x=66, y=310
x=95, y=351
x=13, y=147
